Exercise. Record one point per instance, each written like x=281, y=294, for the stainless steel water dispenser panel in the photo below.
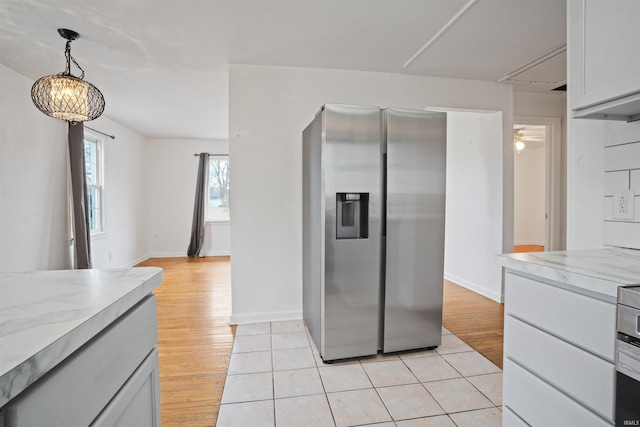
x=352, y=211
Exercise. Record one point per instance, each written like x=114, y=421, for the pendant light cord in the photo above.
x=67, y=54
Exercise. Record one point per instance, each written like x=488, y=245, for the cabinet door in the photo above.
x=138, y=402
x=605, y=50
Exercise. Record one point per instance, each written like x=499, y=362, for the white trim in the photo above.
x=217, y=253
x=184, y=254
x=265, y=317
x=99, y=235
x=475, y=288
x=457, y=17
x=537, y=61
x=214, y=221
x=135, y=262
x=100, y=165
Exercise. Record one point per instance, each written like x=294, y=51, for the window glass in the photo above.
x=93, y=165
x=218, y=206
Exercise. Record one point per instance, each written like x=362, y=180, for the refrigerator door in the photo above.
x=415, y=193
x=352, y=183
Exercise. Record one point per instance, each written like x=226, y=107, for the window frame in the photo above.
x=100, y=231
x=209, y=217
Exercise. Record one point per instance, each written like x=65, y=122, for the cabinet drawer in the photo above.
x=539, y=404
x=509, y=419
x=138, y=402
x=584, y=321
x=78, y=389
x=585, y=377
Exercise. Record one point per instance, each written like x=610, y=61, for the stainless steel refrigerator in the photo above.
x=373, y=229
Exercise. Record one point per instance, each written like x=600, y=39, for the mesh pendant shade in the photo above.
x=67, y=98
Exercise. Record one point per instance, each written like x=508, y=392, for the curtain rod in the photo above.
x=219, y=155
x=101, y=133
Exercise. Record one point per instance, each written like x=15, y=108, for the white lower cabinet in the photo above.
x=111, y=381
x=558, y=349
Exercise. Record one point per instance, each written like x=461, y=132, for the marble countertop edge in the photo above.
x=600, y=270
x=15, y=379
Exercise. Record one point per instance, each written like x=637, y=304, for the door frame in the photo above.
x=553, y=176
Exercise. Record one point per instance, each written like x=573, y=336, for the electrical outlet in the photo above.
x=623, y=204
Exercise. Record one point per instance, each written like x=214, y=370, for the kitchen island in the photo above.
x=559, y=338
x=78, y=347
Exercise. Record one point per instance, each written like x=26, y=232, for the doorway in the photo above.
x=536, y=184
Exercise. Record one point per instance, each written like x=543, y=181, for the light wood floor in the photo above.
x=527, y=248
x=475, y=319
x=195, y=339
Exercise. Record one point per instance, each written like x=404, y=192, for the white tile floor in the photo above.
x=276, y=378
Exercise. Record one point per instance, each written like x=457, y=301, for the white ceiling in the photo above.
x=162, y=64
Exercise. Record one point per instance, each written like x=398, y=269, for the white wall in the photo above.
x=269, y=108
x=622, y=172
x=171, y=180
x=126, y=237
x=529, y=193
x=596, y=147
x=585, y=184
x=473, y=231
x=33, y=186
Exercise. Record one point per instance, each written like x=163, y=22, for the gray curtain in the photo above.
x=82, y=236
x=197, y=225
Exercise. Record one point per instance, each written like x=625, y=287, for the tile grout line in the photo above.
x=361, y=363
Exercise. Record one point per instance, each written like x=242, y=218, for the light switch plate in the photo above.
x=623, y=204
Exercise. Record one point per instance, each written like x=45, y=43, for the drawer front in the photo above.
x=584, y=321
x=585, y=377
x=138, y=402
x=77, y=390
x=509, y=419
x=539, y=404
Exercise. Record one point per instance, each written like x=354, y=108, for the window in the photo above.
x=93, y=165
x=218, y=206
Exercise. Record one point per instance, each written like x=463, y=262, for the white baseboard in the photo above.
x=184, y=254
x=136, y=262
x=497, y=297
x=218, y=253
x=168, y=255
x=265, y=317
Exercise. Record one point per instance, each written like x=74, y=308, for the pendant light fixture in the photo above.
x=65, y=96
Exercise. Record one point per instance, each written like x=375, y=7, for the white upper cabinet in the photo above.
x=604, y=40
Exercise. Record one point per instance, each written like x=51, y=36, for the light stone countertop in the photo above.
x=47, y=315
x=597, y=271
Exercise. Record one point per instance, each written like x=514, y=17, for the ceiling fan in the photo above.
x=518, y=140
x=525, y=134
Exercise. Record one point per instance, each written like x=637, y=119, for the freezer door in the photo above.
x=353, y=184
x=415, y=193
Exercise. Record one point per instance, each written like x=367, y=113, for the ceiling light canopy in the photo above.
x=65, y=96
